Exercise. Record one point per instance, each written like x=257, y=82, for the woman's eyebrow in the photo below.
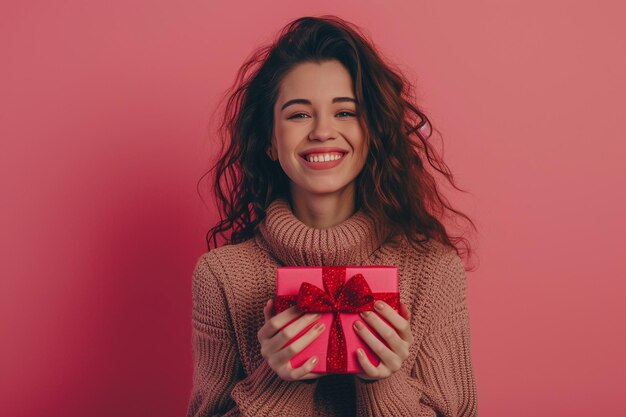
x=305, y=101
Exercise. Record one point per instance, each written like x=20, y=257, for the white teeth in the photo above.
x=323, y=158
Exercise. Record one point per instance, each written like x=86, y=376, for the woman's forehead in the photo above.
x=316, y=82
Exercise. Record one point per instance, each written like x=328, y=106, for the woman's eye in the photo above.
x=347, y=112
x=297, y=114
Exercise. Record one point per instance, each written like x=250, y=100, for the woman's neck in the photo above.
x=323, y=211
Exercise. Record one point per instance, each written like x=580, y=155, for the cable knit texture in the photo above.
x=231, y=285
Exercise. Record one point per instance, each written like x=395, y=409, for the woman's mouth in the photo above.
x=323, y=160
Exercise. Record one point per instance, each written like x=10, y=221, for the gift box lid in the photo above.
x=380, y=278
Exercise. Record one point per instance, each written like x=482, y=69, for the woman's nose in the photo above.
x=322, y=129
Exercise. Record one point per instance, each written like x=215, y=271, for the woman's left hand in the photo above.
x=399, y=338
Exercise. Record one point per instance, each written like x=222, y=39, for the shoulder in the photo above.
x=213, y=267
x=440, y=264
x=436, y=259
x=222, y=258
x=431, y=259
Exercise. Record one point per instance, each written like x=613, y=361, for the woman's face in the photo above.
x=315, y=115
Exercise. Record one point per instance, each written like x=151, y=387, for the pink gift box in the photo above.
x=356, y=287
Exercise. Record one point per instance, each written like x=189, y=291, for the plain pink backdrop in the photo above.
x=104, y=114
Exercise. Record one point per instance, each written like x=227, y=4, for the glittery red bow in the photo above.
x=338, y=296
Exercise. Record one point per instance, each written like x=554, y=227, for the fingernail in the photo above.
x=317, y=316
x=358, y=325
x=319, y=326
x=365, y=313
x=379, y=305
x=314, y=360
x=360, y=352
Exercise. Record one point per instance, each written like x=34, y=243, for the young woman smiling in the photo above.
x=325, y=165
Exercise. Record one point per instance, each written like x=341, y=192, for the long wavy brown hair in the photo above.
x=402, y=194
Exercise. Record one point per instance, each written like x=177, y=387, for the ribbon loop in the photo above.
x=312, y=299
x=355, y=296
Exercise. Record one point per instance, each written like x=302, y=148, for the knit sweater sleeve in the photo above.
x=220, y=384
x=437, y=379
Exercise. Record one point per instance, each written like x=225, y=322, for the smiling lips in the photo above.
x=323, y=157
x=323, y=160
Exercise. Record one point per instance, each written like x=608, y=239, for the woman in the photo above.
x=325, y=166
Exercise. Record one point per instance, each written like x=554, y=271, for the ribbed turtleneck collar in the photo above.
x=295, y=244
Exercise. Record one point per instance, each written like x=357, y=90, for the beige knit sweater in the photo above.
x=231, y=284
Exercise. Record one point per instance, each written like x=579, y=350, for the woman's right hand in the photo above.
x=273, y=341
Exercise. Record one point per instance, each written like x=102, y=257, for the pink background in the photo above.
x=104, y=121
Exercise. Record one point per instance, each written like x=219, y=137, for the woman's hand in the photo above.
x=273, y=341
x=399, y=338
